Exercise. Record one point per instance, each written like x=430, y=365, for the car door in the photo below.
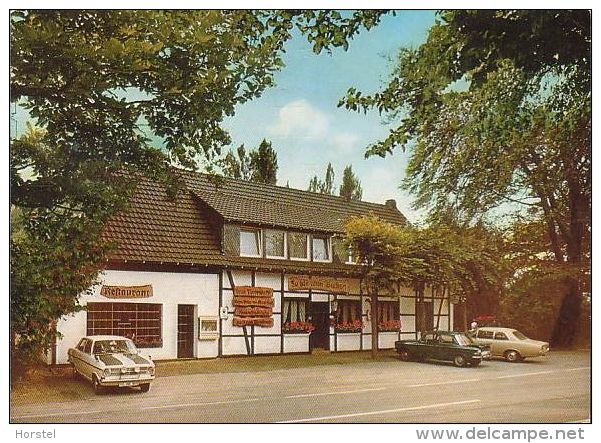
x=87, y=359
x=500, y=343
x=445, y=349
x=485, y=337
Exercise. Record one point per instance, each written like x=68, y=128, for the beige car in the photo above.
x=510, y=343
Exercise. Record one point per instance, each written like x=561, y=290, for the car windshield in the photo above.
x=114, y=346
x=463, y=340
x=519, y=335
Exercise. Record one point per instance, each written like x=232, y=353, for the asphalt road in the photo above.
x=555, y=389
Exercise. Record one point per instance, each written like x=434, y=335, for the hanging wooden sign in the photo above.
x=327, y=284
x=253, y=306
x=126, y=291
x=253, y=321
x=253, y=311
x=252, y=291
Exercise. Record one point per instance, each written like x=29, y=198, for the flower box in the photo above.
x=348, y=327
x=389, y=326
x=297, y=327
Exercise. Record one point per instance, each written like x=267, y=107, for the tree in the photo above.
x=350, y=188
x=465, y=262
x=264, y=163
x=260, y=165
x=237, y=166
x=325, y=186
x=118, y=93
x=495, y=108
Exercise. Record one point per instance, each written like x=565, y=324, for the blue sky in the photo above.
x=301, y=118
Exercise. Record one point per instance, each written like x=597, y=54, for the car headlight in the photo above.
x=106, y=372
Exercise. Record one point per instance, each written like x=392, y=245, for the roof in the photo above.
x=263, y=204
x=184, y=230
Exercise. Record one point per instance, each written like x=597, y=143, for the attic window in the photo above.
x=275, y=243
x=322, y=248
x=298, y=245
x=250, y=242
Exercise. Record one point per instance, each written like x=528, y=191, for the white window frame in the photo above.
x=350, y=258
x=307, y=236
x=256, y=230
x=277, y=257
x=328, y=239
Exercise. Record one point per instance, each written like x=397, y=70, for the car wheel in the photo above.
x=404, y=355
x=512, y=356
x=97, y=385
x=459, y=361
x=145, y=387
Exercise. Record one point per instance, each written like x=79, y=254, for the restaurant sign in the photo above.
x=126, y=291
x=327, y=284
x=253, y=306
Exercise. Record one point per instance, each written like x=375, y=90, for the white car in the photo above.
x=110, y=360
x=510, y=343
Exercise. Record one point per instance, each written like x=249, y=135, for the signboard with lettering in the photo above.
x=126, y=291
x=253, y=306
x=328, y=284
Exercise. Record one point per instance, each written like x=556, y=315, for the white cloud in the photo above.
x=300, y=119
x=344, y=143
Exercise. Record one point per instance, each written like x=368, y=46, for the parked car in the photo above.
x=510, y=343
x=445, y=346
x=110, y=360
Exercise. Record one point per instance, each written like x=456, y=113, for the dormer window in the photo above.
x=298, y=245
x=250, y=242
x=275, y=243
x=322, y=248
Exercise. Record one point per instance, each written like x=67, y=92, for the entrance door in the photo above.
x=185, y=331
x=320, y=314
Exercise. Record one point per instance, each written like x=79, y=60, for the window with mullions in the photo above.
x=295, y=310
x=275, y=243
x=250, y=242
x=139, y=321
x=321, y=248
x=388, y=311
x=298, y=245
x=348, y=311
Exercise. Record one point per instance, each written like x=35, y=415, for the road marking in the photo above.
x=579, y=369
x=208, y=403
x=527, y=374
x=385, y=411
x=318, y=394
x=443, y=383
x=62, y=414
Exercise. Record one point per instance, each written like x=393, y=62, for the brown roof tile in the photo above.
x=155, y=228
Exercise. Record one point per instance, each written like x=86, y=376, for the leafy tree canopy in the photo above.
x=260, y=165
x=350, y=188
x=495, y=108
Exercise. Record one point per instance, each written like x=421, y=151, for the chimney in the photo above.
x=391, y=203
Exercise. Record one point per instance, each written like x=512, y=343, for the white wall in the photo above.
x=169, y=289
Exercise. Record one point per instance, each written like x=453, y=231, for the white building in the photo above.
x=240, y=268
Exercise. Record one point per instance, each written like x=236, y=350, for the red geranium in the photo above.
x=297, y=327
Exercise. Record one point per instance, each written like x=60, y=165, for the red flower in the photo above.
x=297, y=327
x=389, y=326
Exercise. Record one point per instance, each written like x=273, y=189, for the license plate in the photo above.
x=126, y=383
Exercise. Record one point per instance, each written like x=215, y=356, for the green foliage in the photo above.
x=104, y=86
x=325, y=186
x=350, y=188
x=260, y=165
x=495, y=108
x=467, y=261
